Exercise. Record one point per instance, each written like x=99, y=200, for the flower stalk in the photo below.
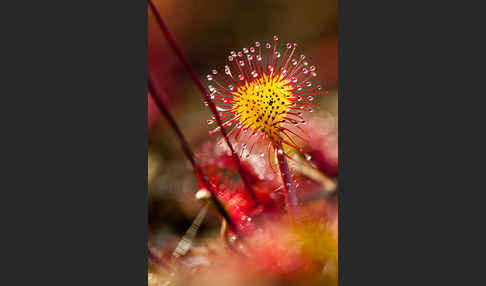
x=157, y=259
x=205, y=95
x=188, y=152
x=291, y=200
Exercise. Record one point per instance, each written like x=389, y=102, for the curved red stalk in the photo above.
x=205, y=94
x=189, y=154
x=290, y=194
x=157, y=259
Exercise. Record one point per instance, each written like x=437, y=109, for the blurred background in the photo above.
x=207, y=30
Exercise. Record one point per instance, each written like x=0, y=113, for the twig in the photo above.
x=302, y=166
x=206, y=97
x=185, y=244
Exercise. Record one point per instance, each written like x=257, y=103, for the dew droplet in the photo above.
x=210, y=78
x=310, y=98
x=268, y=46
x=244, y=146
x=257, y=44
x=305, y=71
x=312, y=68
x=313, y=74
x=242, y=63
x=252, y=49
x=245, y=50
x=302, y=57
x=233, y=53
x=277, y=54
x=284, y=72
x=308, y=157
x=259, y=58
x=294, y=62
x=280, y=151
x=289, y=45
x=262, y=155
x=305, y=63
x=275, y=37
x=310, y=110
x=303, y=122
x=230, y=58
x=319, y=87
x=231, y=87
x=240, y=54
x=241, y=77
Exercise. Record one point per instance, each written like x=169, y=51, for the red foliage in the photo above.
x=223, y=175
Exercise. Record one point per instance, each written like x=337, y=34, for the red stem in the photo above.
x=290, y=194
x=157, y=259
x=205, y=95
x=188, y=152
